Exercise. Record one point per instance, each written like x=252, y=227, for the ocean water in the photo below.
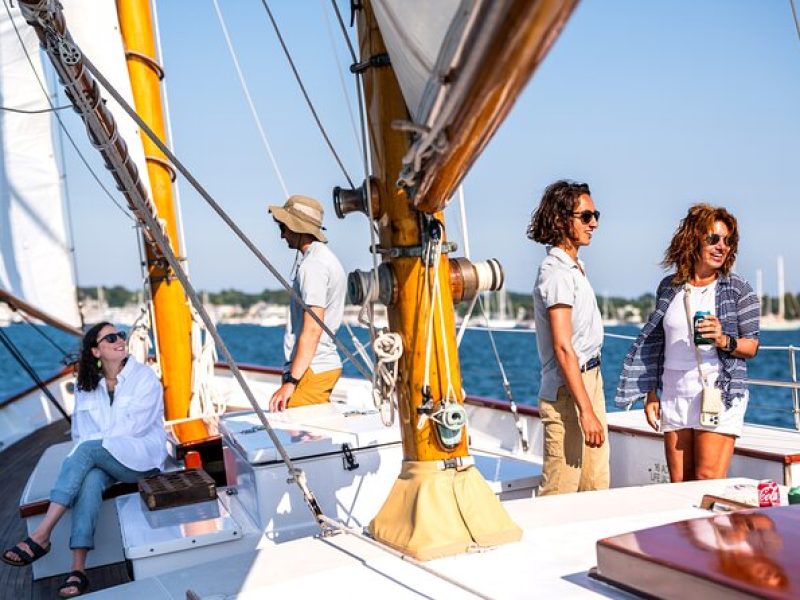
x=45, y=347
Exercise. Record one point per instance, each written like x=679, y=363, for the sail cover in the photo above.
x=416, y=32
x=35, y=263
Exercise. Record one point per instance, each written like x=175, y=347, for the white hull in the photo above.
x=260, y=541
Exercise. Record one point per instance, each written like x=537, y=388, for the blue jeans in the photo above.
x=84, y=476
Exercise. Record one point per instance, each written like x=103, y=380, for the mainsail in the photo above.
x=35, y=262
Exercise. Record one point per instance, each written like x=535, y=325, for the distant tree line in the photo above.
x=117, y=296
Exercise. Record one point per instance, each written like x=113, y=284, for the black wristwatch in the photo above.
x=731, y=345
x=287, y=378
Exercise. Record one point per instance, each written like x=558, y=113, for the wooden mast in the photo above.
x=172, y=317
x=408, y=315
x=440, y=504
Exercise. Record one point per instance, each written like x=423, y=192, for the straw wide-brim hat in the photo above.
x=301, y=214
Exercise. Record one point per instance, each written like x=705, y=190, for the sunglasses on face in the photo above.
x=712, y=239
x=586, y=216
x=112, y=337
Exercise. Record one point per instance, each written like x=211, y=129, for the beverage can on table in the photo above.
x=768, y=494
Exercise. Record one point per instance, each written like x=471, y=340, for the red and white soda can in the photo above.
x=768, y=493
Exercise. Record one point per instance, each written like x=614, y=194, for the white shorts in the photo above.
x=680, y=404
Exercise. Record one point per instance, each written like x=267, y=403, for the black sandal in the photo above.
x=24, y=558
x=81, y=584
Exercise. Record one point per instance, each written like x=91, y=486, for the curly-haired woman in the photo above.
x=569, y=335
x=669, y=364
x=118, y=435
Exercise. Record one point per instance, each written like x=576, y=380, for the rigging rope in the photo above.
x=794, y=17
x=356, y=343
x=305, y=93
x=33, y=112
x=340, y=73
x=388, y=346
x=243, y=83
x=40, y=331
x=58, y=117
x=17, y=355
x=477, y=299
x=143, y=209
x=219, y=210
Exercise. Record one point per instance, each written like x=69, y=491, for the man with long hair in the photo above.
x=569, y=336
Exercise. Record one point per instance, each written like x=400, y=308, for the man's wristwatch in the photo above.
x=730, y=346
x=287, y=378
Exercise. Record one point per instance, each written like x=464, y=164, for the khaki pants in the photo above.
x=569, y=464
x=314, y=388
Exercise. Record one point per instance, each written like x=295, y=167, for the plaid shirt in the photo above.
x=738, y=309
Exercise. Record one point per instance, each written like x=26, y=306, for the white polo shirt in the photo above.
x=320, y=281
x=560, y=281
x=132, y=428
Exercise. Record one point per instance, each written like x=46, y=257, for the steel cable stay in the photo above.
x=268, y=147
x=250, y=103
x=477, y=300
x=180, y=167
x=387, y=345
x=104, y=141
x=17, y=355
x=305, y=93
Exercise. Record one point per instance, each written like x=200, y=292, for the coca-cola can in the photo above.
x=768, y=493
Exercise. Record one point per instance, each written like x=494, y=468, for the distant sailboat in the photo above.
x=776, y=322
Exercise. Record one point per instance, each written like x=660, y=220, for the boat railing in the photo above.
x=792, y=384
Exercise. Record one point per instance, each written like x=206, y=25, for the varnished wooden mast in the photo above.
x=520, y=43
x=409, y=314
x=172, y=317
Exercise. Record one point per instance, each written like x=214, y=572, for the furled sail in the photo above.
x=35, y=262
x=415, y=32
x=460, y=64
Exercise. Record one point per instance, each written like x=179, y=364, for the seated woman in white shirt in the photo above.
x=118, y=431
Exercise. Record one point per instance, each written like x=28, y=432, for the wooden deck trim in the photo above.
x=251, y=368
x=68, y=370
x=39, y=507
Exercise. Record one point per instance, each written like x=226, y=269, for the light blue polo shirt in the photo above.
x=320, y=281
x=560, y=281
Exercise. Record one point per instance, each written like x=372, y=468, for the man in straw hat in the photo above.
x=312, y=365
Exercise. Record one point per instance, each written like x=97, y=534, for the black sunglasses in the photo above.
x=112, y=337
x=586, y=216
x=712, y=239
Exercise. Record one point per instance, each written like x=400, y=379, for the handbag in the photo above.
x=711, y=401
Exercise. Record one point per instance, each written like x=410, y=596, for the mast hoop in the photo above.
x=147, y=60
x=173, y=174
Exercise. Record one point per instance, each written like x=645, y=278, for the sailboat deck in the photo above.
x=16, y=464
x=553, y=559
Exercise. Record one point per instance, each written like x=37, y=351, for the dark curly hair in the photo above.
x=685, y=249
x=551, y=222
x=88, y=372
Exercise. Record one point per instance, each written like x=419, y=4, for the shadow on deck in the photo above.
x=16, y=464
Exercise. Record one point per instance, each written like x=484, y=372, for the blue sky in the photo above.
x=655, y=104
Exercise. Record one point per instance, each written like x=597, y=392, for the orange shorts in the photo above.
x=314, y=388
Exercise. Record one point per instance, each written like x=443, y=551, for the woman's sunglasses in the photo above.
x=112, y=337
x=586, y=216
x=712, y=239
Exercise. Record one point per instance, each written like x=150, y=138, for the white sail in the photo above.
x=415, y=31
x=35, y=263
x=94, y=27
